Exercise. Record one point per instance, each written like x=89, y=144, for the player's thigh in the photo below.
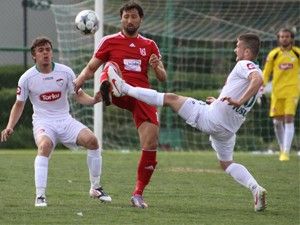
x=71, y=129
x=148, y=134
x=45, y=135
x=195, y=113
x=223, y=143
x=290, y=106
x=277, y=107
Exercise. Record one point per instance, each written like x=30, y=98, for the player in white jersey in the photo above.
x=48, y=84
x=221, y=117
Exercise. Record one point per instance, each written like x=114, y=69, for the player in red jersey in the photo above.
x=133, y=54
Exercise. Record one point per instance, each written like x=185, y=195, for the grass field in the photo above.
x=187, y=188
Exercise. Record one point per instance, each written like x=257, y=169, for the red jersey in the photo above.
x=131, y=54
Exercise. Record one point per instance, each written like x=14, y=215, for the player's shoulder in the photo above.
x=144, y=39
x=274, y=52
x=247, y=65
x=296, y=50
x=111, y=37
x=30, y=73
x=62, y=68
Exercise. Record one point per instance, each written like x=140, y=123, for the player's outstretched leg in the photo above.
x=115, y=80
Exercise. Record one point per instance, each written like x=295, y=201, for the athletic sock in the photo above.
x=41, y=174
x=242, y=176
x=145, y=170
x=94, y=162
x=279, y=132
x=289, y=130
x=149, y=96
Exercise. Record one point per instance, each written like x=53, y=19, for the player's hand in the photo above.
x=210, y=100
x=78, y=82
x=97, y=97
x=231, y=101
x=6, y=133
x=154, y=61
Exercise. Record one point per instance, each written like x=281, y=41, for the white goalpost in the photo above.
x=98, y=108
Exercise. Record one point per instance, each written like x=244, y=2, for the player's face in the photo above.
x=43, y=55
x=240, y=50
x=285, y=40
x=131, y=22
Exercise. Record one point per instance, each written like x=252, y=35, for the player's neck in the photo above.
x=286, y=48
x=45, y=68
x=130, y=35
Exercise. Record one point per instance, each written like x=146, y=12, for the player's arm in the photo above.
x=256, y=82
x=85, y=99
x=158, y=67
x=87, y=73
x=15, y=114
x=268, y=68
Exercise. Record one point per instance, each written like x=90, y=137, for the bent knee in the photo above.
x=91, y=142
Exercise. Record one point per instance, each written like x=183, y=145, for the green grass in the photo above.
x=187, y=188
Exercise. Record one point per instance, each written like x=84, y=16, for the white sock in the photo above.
x=279, y=132
x=242, y=176
x=149, y=96
x=94, y=162
x=289, y=130
x=40, y=174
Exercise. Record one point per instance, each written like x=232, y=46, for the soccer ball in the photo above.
x=87, y=22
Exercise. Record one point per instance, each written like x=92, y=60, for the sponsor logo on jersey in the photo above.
x=285, y=66
x=60, y=82
x=132, y=65
x=18, y=90
x=48, y=78
x=143, y=51
x=250, y=66
x=50, y=96
x=132, y=45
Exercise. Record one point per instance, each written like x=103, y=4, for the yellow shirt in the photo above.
x=285, y=68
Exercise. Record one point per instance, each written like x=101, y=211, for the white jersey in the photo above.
x=228, y=116
x=48, y=93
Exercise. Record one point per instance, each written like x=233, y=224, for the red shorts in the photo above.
x=141, y=111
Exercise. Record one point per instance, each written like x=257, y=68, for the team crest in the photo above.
x=143, y=51
x=60, y=82
x=250, y=66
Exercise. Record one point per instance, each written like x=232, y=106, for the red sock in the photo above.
x=145, y=170
x=104, y=75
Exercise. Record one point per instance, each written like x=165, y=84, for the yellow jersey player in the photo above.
x=283, y=64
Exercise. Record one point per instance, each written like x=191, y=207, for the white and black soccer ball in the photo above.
x=87, y=22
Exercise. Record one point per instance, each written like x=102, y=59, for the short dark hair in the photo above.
x=251, y=41
x=286, y=30
x=132, y=5
x=39, y=41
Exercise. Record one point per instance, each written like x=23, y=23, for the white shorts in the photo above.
x=64, y=131
x=196, y=114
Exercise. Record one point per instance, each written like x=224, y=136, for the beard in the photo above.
x=131, y=30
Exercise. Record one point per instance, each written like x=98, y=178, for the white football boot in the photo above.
x=40, y=201
x=100, y=194
x=259, y=196
x=115, y=80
